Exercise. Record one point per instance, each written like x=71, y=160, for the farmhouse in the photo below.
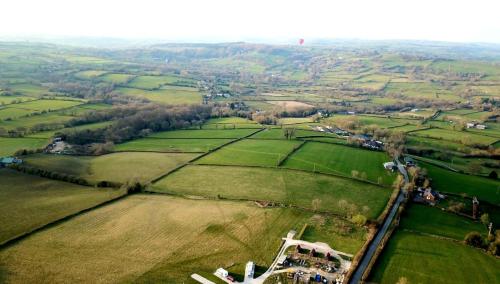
x=427, y=195
x=7, y=161
x=390, y=166
x=475, y=125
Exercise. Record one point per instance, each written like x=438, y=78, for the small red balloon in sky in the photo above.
x=301, y=41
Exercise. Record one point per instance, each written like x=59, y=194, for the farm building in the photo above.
x=249, y=270
x=390, y=166
x=221, y=272
x=476, y=125
x=7, y=161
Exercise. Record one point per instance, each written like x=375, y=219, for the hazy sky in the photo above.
x=216, y=20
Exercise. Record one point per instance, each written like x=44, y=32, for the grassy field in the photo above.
x=5, y=100
x=456, y=136
x=281, y=185
x=448, y=181
x=251, y=152
x=166, y=96
x=423, y=259
x=171, y=145
x=151, y=82
x=118, y=167
x=8, y=146
x=24, y=208
x=105, y=245
x=89, y=74
x=337, y=159
x=382, y=122
x=278, y=133
x=434, y=221
x=119, y=79
x=230, y=120
x=220, y=134
x=51, y=133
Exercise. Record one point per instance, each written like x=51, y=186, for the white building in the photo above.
x=249, y=270
x=221, y=272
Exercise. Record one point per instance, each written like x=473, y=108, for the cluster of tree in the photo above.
x=81, y=89
x=490, y=243
x=138, y=121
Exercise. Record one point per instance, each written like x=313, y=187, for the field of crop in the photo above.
x=171, y=145
x=104, y=245
x=280, y=185
x=24, y=208
x=166, y=96
x=342, y=160
x=423, y=259
x=8, y=146
x=457, y=136
x=448, y=181
x=119, y=79
x=251, y=152
x=117, y=167
x=224, y=134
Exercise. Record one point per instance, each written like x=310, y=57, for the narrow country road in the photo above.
x=360, y=270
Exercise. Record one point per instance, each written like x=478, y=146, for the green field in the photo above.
x=219, y=134
x=342, y=160
x=166, y=96
x=437, y=222
x=118, y=79
x=423, y=259
x=117, y=167
x=8, y=146
x=25, y=208
x=51, y=133
x=151, y=82
x=104, y=245
x=89, y=74
x=280, y=185
x=448, y=181
x=279, y=133
x=5, y=100
x=171, y=145
x=364, y=120
x=464, y=137
x=230, y=120
x=251, y=152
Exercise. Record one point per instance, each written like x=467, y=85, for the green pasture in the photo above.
x=171, y=145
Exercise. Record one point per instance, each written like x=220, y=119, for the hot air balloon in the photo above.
x=301, y=41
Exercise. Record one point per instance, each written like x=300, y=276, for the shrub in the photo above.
x=494, y=248
x=474, y=239
x=359, y=220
